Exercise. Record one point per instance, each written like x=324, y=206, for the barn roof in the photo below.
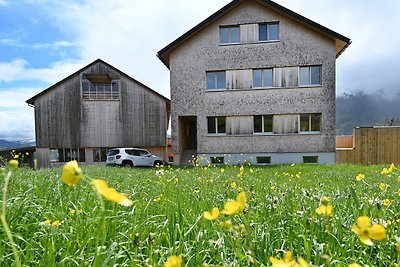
x=341, y=41
x=31, y=101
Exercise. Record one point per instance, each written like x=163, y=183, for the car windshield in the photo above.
x=113, y=152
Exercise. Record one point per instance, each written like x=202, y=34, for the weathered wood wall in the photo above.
x=344, y=141
x=377, y=145
x=137, y=119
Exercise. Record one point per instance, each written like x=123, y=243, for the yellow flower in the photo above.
x=397, y=247
x=287, y=261
x=226, y=224
x=354, y=265
x=13, y=164
x=233, y=207
x=213, y=215
x=386, y=202
x=173, y=261
x=360, y=177
x=233, y=185
x=46, y=222
x=367, y=232
x=71, y=173
x=325, y=209
x=56, y=223
x=110, y=193
x=222, y=170
x=388, y=170
x=80, y=211
x=382, y=186
x=72, y=212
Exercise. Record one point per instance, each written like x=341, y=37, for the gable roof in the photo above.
x=341, y=42
x=31, y=101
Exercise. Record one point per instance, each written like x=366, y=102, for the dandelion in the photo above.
x=72, y=212
x=233, y=207
x=382, y=186
x=386, y=202
x=360, y=177
x=173, y=261
x=213, y=215
x=71, y=173
x=397, y=246
x=233, y=185
x=225, y=225
x=325, y=209
x=56, y=223
x=46, y=222
x=13, y=164
x=287, y=261
x=367, y=232
x=110, y=193
x=388, y=170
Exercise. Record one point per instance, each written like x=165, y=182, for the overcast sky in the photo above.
x=43, y=41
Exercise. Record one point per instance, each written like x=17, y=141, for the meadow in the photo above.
x=302, y=211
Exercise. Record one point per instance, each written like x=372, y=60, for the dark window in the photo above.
x=263, y=123
x=216, y=80
x=310, y=159
x=310, y=75
x=217, y=160
x=262, y=78
x=229, y=35
x=216, y=125
x=268, y=31
x=310, y=122
x=263, y=160
x=113, y=152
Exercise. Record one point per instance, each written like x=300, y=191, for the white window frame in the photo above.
x=309, y=76
x=310, y=123
x=216, y=125
x=229, y=27
x=268, y=24
x=263, y=125
x=262, y=78
x=215, y=73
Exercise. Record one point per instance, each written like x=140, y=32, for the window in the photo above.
x=216, y=80
x=216, y=125
x=100, y=154
x=262, y=78
x=229, y=35
x=263, y=160
x=310, y=122
x=268, y=31
x=217, y=160
x=310, y=159
x=263, y=124
x=67, y=154
x=310, y=75
x=102, y=90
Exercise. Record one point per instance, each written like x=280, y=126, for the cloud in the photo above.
x=19, y=70
x=36, y=46
x=16, y=117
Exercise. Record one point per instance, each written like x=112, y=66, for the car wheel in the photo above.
x=157, y=162
x=127, y=163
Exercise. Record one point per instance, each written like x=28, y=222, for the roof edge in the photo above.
x=31, y=101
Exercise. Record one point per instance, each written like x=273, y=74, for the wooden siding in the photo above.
x=63, y=119
x=248, y=33
x=344, y=141
x=378, y=145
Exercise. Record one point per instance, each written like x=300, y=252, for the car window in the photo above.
x=113, y=152
x=132, y=152
x=143, y=153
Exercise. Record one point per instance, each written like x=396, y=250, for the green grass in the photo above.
x=166, y=218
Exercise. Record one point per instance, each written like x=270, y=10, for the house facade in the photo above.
x=97, y=108
x=254, y=82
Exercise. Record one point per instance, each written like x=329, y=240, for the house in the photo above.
x=96, y=108
x=254, y=82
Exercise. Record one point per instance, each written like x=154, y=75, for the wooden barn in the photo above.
x=94, y=109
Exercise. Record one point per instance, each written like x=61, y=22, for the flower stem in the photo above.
x=4, y=221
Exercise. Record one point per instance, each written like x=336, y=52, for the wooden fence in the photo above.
x=374, y=145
